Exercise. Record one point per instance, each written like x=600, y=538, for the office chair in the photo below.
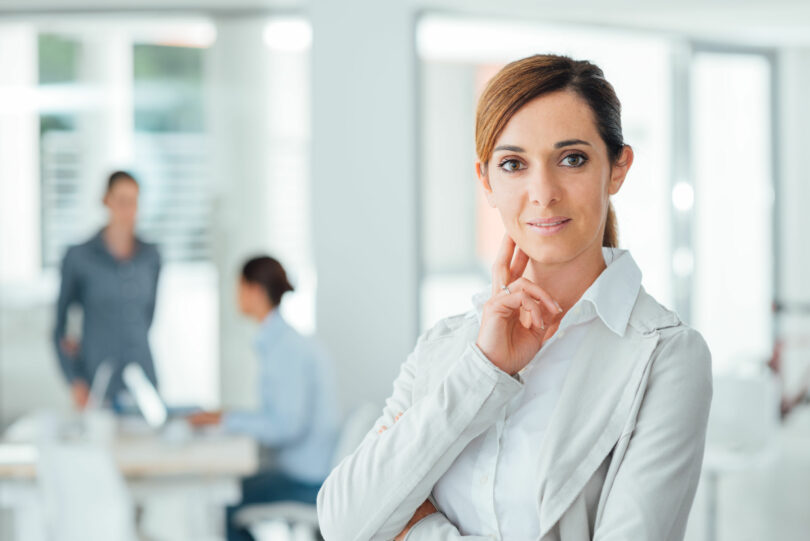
x=299, y=520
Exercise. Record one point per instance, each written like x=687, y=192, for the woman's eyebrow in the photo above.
x=560, y=144
x=571, y=142
x=510, y=148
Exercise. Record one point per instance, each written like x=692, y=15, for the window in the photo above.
x=733, y=216
x=212, y=117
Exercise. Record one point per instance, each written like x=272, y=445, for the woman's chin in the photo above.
x=547, y=257
x=546, y=254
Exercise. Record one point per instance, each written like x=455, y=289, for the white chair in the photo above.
x=298, y=521
x=742, y=432
x=79, y=493
x=84, y=495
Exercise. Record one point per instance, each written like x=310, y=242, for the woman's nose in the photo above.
x=543, y=188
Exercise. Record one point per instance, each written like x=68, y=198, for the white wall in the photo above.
x=448, y=191
x=793, y=192
x=364, y=194
x=237, y=75
x=793, y=188
x=19, y=146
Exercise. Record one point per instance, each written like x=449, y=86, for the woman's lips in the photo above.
x=548, y=226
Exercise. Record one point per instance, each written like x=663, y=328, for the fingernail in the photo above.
x=558, y=306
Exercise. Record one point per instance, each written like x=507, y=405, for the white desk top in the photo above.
x=152, y=456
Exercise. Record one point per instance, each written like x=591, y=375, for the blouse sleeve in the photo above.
x=68, y=294
x=150, y=305
x=286, y=391
x=374, y=492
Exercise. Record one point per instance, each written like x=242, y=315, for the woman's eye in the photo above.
x=509, y=166
x=574, y=160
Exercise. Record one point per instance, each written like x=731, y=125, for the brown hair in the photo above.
x=521, y=81
x=268, y=273
x=119, y=176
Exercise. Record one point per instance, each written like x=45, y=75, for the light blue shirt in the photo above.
x=298, y=416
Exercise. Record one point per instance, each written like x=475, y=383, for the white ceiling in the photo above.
x=759, y=22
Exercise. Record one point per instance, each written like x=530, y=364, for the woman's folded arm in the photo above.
x=374, y=492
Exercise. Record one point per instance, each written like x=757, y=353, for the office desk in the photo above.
x=180, y=488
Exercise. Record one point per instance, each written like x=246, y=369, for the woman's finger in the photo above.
x=531, y=318
x=519, y=263
x=518, y=301
x=534, y=290
x=501, y=274
x=536, y=315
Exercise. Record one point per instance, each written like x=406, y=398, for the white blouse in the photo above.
x=492, y=486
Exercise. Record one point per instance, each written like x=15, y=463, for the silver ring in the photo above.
x=504, y=288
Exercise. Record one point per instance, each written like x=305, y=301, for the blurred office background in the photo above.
x=338, y=136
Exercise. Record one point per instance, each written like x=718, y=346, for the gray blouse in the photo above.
x=117, y=297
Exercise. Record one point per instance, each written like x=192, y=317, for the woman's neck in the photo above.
x=262, y=312
x=566, y=282
x=120, y=241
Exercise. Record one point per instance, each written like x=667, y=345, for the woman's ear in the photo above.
x=483, y=178
x=619, y=170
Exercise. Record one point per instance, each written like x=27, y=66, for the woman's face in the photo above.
x=245, y=296
x=122, y=200
x=550, y=178
x=252, y=299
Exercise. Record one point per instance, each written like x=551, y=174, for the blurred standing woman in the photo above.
x=567, y=405
x=113, y=278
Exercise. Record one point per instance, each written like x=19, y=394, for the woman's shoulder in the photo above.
x=649, y=315
x=148, y=249
x=80, y=249
x=77, y=254
x=292, y=341
x=458, y=326
x=679, y=346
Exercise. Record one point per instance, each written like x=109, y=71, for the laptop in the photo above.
x=148, y=400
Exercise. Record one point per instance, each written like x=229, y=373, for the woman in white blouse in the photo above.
x=568, y=405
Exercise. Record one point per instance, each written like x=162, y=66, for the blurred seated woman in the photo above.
x=298, y=416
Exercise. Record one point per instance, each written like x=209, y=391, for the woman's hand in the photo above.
x=80, y=393
x=205, y=418
x=70, y=346
x=424, y=510
x=514, y=322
